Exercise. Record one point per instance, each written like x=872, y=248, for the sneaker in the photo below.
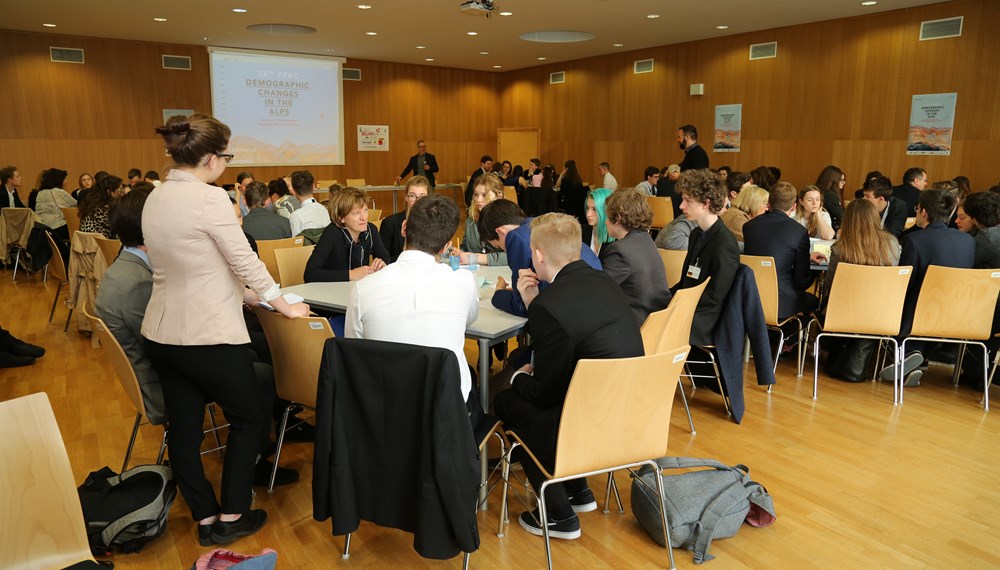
x=11, y=360
x=583, y=502
x=910, y=363
x=21, y=348
x=226, y=532
x=262, y=474
x=913, y=379
x=567, y=529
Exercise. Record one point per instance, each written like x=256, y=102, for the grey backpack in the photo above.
x=128, y=510
x=701, y=505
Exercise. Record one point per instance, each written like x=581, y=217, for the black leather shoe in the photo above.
x=10, y=360
x=248, y=524
x=21, y=348
x=205, y=534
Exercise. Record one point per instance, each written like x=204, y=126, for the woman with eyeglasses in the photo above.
x=203, y=273
x=95, y=204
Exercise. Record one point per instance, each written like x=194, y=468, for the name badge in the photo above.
x=694, y=272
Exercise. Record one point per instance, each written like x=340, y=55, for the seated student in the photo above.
x=983, y=209
x=934, y=244
x=260, y=223
x=810, y=213
x=648, y=186
x=391, y=230
x=311, y=215
x=676, y=235
x=582, y=314
x=631, y=260
x=747, y=205
x=862, y=241
x=93, y=207
x=504, y=225
x=595, y=233
x=153, y=177
x=666, y=187
x=282, y=201
x=712, y=251
x=350, y=248
x=487, y=189
x=891, y=210
x=777, y=235
x=417, y=300
x=49, y=201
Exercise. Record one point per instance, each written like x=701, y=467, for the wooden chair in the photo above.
x=910, y=222
x=72, y=216
x=297, y=351
x=109, y=249
x=766, y=276
x=57, y=269
x=510, y=193
x=42, y=524
x=673, y=263
x=374, y=215
x=325, y=184
x=955, y=306
x=291, y=263
x=265, y=251
x=321, y=196
x=663, y=211
x=616, y=416
x=865, y=302
x=356, y=182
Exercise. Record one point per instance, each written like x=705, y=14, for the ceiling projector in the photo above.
x=477, y=7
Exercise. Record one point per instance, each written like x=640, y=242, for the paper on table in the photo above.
x=290, y=298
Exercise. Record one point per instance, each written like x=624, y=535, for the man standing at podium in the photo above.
x=421, y=164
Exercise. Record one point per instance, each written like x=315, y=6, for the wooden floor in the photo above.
x=857, y=483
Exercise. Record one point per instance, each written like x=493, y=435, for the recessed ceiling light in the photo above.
x=869, y=3
x=239, y=10
x=428, y=59
x=617, y=45
x=472, y=33
x=652, y=16
x=159, y=19
x=371, y=33
x=421, y=47
x=484, y=53
x=506, y=13
x=365, y=6
x=49, y=25
x=497, y=66
x=721, y=27
x=541, y=59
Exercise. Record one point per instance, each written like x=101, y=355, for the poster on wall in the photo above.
x=932, y=118
x=728, y=128
x=373, y=137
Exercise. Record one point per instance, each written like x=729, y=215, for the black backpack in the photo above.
x=127, y=510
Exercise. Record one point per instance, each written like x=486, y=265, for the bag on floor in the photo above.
x=850, y=362
x=221, y=559
x=700, y=505
x=128, y=510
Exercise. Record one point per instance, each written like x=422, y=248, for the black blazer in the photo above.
x=382, y=405
x=635, y=265
x=910, y=195
x=391, y=232
x=717, y=254
x=694, y=159
x=895, y=220
x=336, y=254
x=412, y=166
x=776, y=235
x=834, y=207
x=936, y=244
x=5, y=201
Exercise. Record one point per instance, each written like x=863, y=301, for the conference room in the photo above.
x=855, y=473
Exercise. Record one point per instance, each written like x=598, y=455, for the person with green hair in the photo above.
x=595, y=233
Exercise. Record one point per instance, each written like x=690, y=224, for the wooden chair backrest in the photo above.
x=766, y=276
x=678, y=329
x=321, y=196
x=510, y=193
x=291, y=263
x=265, y=251
x=42, y=524
x=297, y=351
x=72, y=216
x=866, y=299
x=119, y=360
x=663, y=210
x=377, y=224
x=325, y=184
x=956, y=303
x=109, y=249
x=673, y=263
x=910, y=222
x=374, y=215
x=57, y=266
x=617, y=411
x=654, y=328
x=356, y=182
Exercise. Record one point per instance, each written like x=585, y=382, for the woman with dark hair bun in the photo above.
x=95, y=204
x=831, y=182
x=195, y=333
x=50, y=199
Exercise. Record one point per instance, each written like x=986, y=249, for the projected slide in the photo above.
x=283, y=109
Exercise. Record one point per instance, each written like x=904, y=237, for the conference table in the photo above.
x=396, y=188
x=492, y=327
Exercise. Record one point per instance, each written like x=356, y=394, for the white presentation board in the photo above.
x=284, y=109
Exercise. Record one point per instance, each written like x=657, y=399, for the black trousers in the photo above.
x=193, y=377
x=539, y=429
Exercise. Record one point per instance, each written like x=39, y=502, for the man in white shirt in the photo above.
x=608, y=180
x=417, y=300
x=312, y=214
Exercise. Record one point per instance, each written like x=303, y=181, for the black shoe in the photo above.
x=10, y=360
x=500, y=351
x=262, y=474
x=302, y=433
x=583, y=502
x=568, y=529
x=21, y=348
x=249, y=523
x=205, y=534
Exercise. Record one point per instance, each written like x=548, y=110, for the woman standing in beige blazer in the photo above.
x=194, y=327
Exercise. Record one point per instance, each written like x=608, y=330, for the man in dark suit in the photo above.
x=695, y=157
x=914, y=182
x=935, y=244
x=891, y=209
x=259, y=222
x=775, y=234
x=582, y=314
x=10, y=178
x=391, y=229
x=421, y=164
x=485, y=167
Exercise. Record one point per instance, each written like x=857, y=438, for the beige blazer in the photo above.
x=201, y=260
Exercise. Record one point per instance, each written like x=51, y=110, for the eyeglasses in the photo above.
x=227, y=157
x=414, y=197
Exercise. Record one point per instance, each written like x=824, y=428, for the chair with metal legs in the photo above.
x=766, y=276
x=57, y=268
x=616, y=416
